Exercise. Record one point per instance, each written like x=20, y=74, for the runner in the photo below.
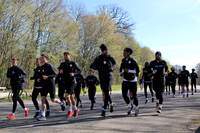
x=37, y=77
x=48, y=85
x=129, y=70
x=167, y=85
x=172, y=79
x=184, y=80
x=61, y=89
x=91, y=83
x=105, y=64
x=80, y=84
x=69, y=70
x=17, y=79
x=193, y=77
x=160, y=70
x=147, y=77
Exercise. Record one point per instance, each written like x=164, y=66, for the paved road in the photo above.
x=179, y=116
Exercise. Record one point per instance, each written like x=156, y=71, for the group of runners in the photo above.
x=71, y=82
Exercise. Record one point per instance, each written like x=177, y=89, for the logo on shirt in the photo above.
x=104, y=62
x=13, y=72
x=129, y=62
x=70, y=65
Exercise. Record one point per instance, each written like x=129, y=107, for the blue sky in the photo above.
x=170, y=26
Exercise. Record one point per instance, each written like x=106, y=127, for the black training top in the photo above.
x=80, y=80
x=91, y=81
x=183, y=76
x=69, y=67
x=193, y=76
x=104, y=64
x=172, y=77
x=147, y=74
x=132, y=66
x=158, y=67
x=48, y=70
x=37, y=75
x=16, y=75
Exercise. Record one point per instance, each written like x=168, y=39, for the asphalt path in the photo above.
x=179, y=115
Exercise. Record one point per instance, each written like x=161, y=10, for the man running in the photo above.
x=193, y=77
x=17, y=78
x=61, y=88
x=37, y=77
x=105, y=64
x=160, y=70
x=48, y=84
x=80, y=84
x=172, y=79
x=184, y=75
x=91, y=83
x=69, y=70
x=129, y=70
x=167, y=85
x=147, y=77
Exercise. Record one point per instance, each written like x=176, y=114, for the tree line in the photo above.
x=31, y=27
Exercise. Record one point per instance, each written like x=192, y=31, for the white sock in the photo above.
x=62, y=103
x=43, y=113
x=25, y=108
x=13, y=113
x=74, y=107
x=70, y=108
x=160, y=106
x=37, y=110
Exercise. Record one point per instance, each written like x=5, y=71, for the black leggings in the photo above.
x=106, y=87
x=91, y=94
x=158, y=87
x=132, y=87
x=146, y=84
x=193, y=85
x=16, y=98
x=61, y=93
x=173, y=86
x=77, y=92
x=35, y=94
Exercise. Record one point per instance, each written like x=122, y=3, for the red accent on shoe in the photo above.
x=11, y=116
x=76, y=112
x=69, y=114
x=26, y=112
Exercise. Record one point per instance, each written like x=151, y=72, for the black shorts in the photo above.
x=50, y=90
x=185, y=83
x=69, y=87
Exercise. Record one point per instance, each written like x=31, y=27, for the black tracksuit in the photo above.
x=69, y=81
x=80, y=83
x=147, y=77
x=193, y=77
x=37, y=87
x=48, y=85
x=129, y=79
x=17, y=79
x=91, y=82
x=105, y=64
x=158, y=67
x=172, y=79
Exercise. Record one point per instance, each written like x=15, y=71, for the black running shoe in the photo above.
x=47, y=113
x=152, y=100
x=62, y=107
x=103, y=113
x=111, y=108
x=36, y=114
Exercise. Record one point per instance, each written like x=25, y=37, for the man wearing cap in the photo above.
x=17, y=79
x=129, y=70
x=160, y=70
x=193, y=77
x=105, y=64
